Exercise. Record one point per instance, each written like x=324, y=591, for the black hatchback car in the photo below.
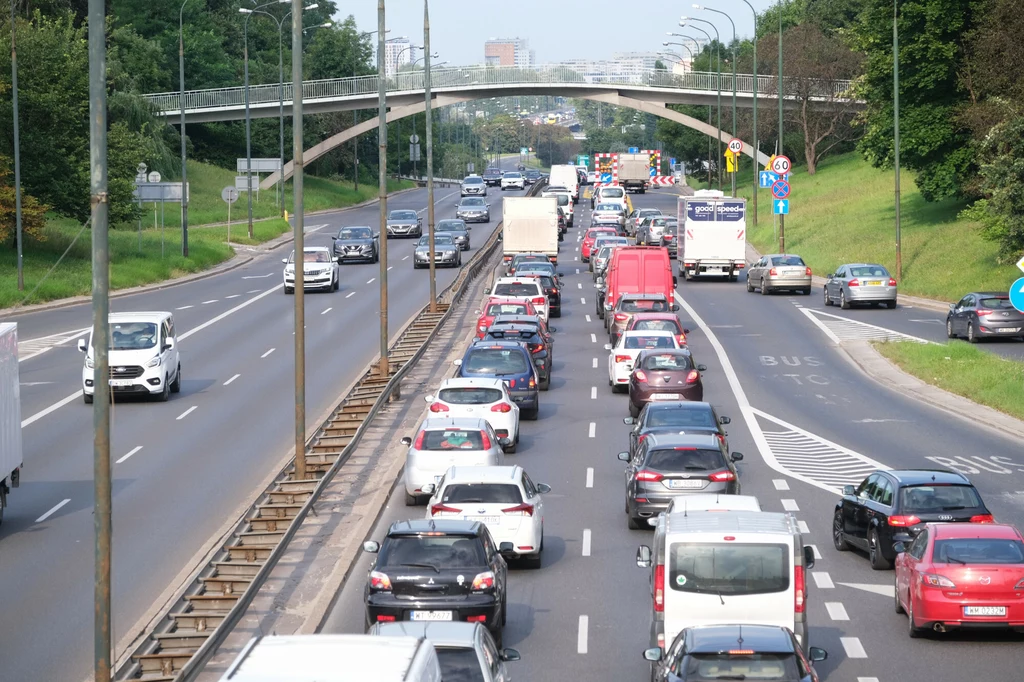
x=437, y=570
x=528, y=335
x=682, y=417
x=893, y=506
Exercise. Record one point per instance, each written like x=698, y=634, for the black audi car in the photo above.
x=492, y=176
x=355, y=244
x=429, y=570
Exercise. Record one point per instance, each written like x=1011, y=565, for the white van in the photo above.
x=727, y=568
x=143, y=356
x=566, y=176
x=335, y=658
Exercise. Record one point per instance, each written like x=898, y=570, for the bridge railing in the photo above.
x=464, y=78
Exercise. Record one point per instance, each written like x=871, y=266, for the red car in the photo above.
x=659, y=322
x=501, y=306
x=961, y=575
x=590, y=236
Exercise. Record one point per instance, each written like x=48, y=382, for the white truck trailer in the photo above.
x=634, y=172
x=712, y=235
x=10, y=413
x=529, y=225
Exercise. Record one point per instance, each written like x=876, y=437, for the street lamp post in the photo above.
x=298, y=164
x=896, y=130
x=733, y=24
x=181, y=107
x=17, y=151
x=382, y=190
x=430, y=152
x=756, y=147
x=782, y=216
x=718, y=79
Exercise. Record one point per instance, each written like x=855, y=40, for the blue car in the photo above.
x=510, y=362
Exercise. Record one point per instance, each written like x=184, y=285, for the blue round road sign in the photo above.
x=780, y=190
x=1017, y=294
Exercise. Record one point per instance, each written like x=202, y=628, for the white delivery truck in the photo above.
x=335, y=658
x=712, y=235
x=10, y=413
x=634, y=172
x=529, y=225
x=565, y=175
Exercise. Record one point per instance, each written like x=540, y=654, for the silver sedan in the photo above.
x=446, y=251
x=779, y=272
x=860, y=283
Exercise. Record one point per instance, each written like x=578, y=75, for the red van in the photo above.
x=636, y=270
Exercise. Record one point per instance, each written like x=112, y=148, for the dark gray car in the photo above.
x=983, y=314
x=458, y=230
x=404, y=223
x=446, y=252
x=473, y=210
x=355, y=243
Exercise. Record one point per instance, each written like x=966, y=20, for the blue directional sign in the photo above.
x=766, y=179
x=780, y=190
x=1017, y=294
x=634, y=150
x=671, y=162
x=606, y=178
x=780, y=206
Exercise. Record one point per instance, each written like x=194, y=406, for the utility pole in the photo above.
x=382, y=191
x=17, y=151
x=782, y=217
x=300, y=260
x=896, y=131
x=181, y=107
x=430, y=153
x=98, y=199
x=756, y=147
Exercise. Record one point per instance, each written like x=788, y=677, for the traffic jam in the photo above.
x=727, y=580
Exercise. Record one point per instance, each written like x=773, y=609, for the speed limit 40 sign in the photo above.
x=781, y=165
x=736, y=145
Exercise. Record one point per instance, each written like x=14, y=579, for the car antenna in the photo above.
x=685, y=515
x=739, y=640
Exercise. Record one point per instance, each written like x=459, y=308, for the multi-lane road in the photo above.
x=184, y=468
x=807, y=421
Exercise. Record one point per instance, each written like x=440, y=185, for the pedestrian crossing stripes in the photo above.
x=840, y=329
x=33, y=347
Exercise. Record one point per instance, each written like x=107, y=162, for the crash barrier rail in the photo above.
x=187, y=634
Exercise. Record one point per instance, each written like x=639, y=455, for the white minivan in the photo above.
x=727, y=568
x=144, y=357
x=566, y=176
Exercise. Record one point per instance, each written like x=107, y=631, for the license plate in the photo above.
x=685, y=483
x=493, y=520
x=984, y=610
x=431, y=615
x=121, y=382
x=1008, y=330
x=874, y=283
x=664, y=396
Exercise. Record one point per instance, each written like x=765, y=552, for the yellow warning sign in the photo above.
x=730, y=162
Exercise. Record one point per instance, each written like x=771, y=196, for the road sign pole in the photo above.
x=782, y=233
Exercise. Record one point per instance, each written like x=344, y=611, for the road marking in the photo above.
x=186, y=413
x=790, y=505
x=54, y=510
x=327, y=311
x=927, y=321
x=258, y=276
x=231, y=379
x=780, y=484
x=586, y=542
x=210, y=301
x=822, y=580
x=350, y=294
x=389, y=268
x=267, y=353
x=588, y=317
x=232, y=311
x=581, y=637
x=253, y=291
x=590, y=477
x=593, y=338
x=30, y=348
x=869, y=679
x=233, y=296
x=814, y=548
x=593, y=430
x=575, y=258
x=36, y=383
x=130, y=453
x=854, y=649
x=184, y=307
x=371, y=280
x=579, y=285
x=883, y=590
x=56, y=406
x=839, y=329
x=583, y=301
x=595, y=360
x=577, y=271
x=802, y=525
x=836, y=610
x=593, y=392
x=406, y=258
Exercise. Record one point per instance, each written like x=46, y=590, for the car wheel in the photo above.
x=634, y=523
x=875, y=556
x=531, y=414
x=533, y=561
x=764, y=288
x=971, y=338
x=511, y=449
x=891, y=305
x=337, y=284
x=176, y=384
x=807, y=291
x=828, y=301
x=949, y=329
x=288, y=291
x=843, y=303
x=896, y=596
x=912, y=630
x=750, y=286
x=838, y=537
x=411, y=500
x=634, y=411
x=164, y=395
x=87, y=398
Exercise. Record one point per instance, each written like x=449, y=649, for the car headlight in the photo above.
x=89, y=364
x=154, y=362
x=449, y=253
x=289, y=270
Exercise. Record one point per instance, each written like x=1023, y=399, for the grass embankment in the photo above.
x=155, y=255
x=965, y=370
x=846, y=212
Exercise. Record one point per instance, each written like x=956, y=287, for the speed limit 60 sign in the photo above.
x=781, y=165
x=736, y=145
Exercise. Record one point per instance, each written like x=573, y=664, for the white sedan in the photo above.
x=623, y=355
x=481, y=398
x=513, y=180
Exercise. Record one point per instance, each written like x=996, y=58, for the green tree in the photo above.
x=33, y=214
x=1001, y=212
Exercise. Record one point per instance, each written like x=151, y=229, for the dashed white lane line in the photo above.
x=233, y=296
x=871, y=679
x=790, y=505
x=350, y=294
x=60, y=504
x=577, y=271
x=780, y=484
x=267, y=353
x=184, y=307
x=853, y=647
x=593, y=430
x=595, y=363
x=228, y=382
x=588, y=317
x=406, y=258
x=186, y=413
x=327, y=311
x=253, y=291
x=210, y=301
x=583, y=301
x=814, y=548
x=371, y=280
x=836, y=610
x=581, y=636
x=590, y=477
x=593, y=339
x=579, y=285
x=130, y=453
x=586, y=542
x=593, y=392
x=802, y=525
x=822, y=580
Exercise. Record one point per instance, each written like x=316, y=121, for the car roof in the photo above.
x=679, y=404
x=471, y=382
x=512, y=280
x=515, y=326
x=645, y=297
x=655, y=316
x=648, y=332
x=484, y=474
x=312, y=249
x=986, y=531
x=667, y=351
x=782, y=255
x=440, y=423
x=992, y=294
x=760, y=638
x=906, y=477
x=448, y=526
x=517, y=317
x=443, y=634
x=519, y=256
x=139, y=316
x=503, y=300
x=496, y=343
x=860, y=265
x=668, y=440
x=355, y=227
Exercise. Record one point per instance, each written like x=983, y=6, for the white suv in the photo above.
x=143, y=356
x=523, y=290
x=479, y=397
x=512, y=180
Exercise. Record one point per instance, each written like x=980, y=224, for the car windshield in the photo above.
x=725, y=666
x=517, y=289
x=506, y=309
x=535, y=267
x=788, y=260
x=355, y=233
x=473, y=201
x=593, y=234
x=682, y=417
x=530, y=258
x=996, y=303
x=733, y=569
x=482, y=492
x=531, y=324
x=403, y=215
x=132, y=335
x=612, y=193
x=608, y=207
x=685, y=459
x=649, y=342
x=533, y=174
x=317, y=256
x=667, y=362
x=926, y=499
x=442, y=551
x=644, y=306
x=451, y=226
x=459, y=665
x=469, y=395
x=473, y=181
x=496, y=361
x=492, y=171
x=512, y=175
x=978, y=551
x=657, y=325
x=439, y=240
x=563, y=199
x=451, y=439
x=869, y=271
x=658, y=221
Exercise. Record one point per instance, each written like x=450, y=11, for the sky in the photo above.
x=556, y=31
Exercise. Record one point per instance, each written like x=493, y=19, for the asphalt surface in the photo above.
x=807, y=421
x=182, y=468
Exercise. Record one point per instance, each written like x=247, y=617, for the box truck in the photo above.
x=712, y=235
x=634, y=172
x=10, y=413
x=529, y=225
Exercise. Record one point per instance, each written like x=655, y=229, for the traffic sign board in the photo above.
x=414, y=138
x=154, y=176
x=606, y=177
x=229, y=194
x=634, y=150
x=736, y=145
x=1020, y=264
x=1017, y=294
x=781, y=165
x=766, y=179
x=780, y=189
x=780, y=207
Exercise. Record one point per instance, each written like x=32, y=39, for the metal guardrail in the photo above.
x=467, y=78
x=199, y=620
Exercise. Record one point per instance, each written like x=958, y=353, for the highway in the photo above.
x=184, y=468
x=789, y=391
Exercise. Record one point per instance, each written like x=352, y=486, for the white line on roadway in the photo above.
x=593, y=339
x=258, y=276
x=583, y=301
x=588, y=318
x=350, y=294
x=802, y=525
x=586, y=542
x=54, y=511
x=253, y=291
x=232, y=379
x=406, y=258
x=575, y=257
x=593, y=430
x=590, y=477
x=595, y=359
x=822, y=580
x=52, y=408
x=836, y=610
x=579, y=285
x=371, y=280
x=389, y=267
x=233, y=296
x=854, y=649
x=869, y=679
x=327, y=311
x=581, y=637
x=210, y=301
x=790, y=505
x=130, y=453
x=186, y=413
x=184, y=307
x=593, y=392
x=578, y=272
x=780, y=484
x=267, y=353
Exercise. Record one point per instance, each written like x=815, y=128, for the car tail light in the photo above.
x=443, y=509
x=511, y=383
x=692, y=377
x=722, y=476
x=773, y=272
x=519, y=510
x=622, y=358
x=485, y=440
x=379, y=581
x=419, y=440
x=533, y=383
x=539, y=299
x=808, y=272
x=659, y=588
x=892, y=282
x=983, y=312
x=854, y=282
x=484, y=581
x=681, y=339
x=800, y=592
x=936, y=580
x=904, y=521
x=476, y=619
x=650, y=476
x=983, y=518
x=438, y=407
x=641, y=376
x=668, y=237
x=501, y=407
x=621, y=317
x=536, y=347
x=385, y=619
x=641, y=438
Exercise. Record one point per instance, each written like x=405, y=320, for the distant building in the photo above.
x=397, y=53
x=508, y=52
x=623, y=66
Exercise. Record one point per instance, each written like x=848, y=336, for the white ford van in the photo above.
x=727, y=568
x=143, y=356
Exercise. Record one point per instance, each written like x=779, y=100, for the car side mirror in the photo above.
x=702, y=368
x=643, y=556
x=736, y=457
x=166, y=347
x=376, y=235
x=627, y=420
x=543, y=488
x=608, y=307
x=952, y=307
x=428, y=398
x=724, y=420
x=685, y=330
x=82, y=346
x=599, y=283
x=561, y=274
x=830, y=275
x=653, y=655
x=607, y=346
x=506, y=547
x=371, y=547
x=623, y=456
x=457, y=362
x=899, y=547
x=818, y=654
x=284, y=260
x=510, y=655
x=808, y=557
x=406, y=440
x=487, y=291
x=338, y=259
x=849, y=490
x=905, y=538
x=552, y=329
